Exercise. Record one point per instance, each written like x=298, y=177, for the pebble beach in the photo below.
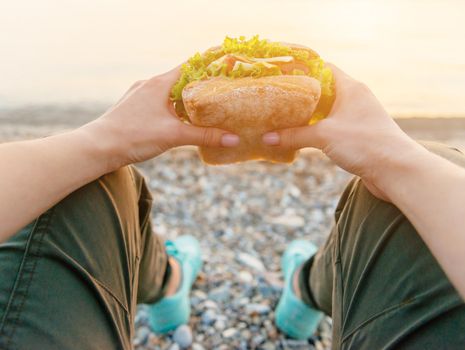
x=244, y=216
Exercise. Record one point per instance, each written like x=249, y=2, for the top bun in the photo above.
x=250, y=107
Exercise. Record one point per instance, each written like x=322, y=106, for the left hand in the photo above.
x=143, y=124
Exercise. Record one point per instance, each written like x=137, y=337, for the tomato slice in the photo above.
x=288, y=67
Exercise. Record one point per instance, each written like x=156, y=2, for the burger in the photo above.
x=250, y=87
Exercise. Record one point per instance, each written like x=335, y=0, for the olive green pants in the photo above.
x=71, y=279
x=378, y=281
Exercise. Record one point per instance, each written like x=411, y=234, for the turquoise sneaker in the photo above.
x=170, y=312
x=292, y=316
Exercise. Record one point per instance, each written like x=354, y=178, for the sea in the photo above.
x=411, y=53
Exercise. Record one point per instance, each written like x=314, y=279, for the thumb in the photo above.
x=295, y=138
x=206, y=136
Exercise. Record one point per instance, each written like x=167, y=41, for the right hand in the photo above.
x=358, y=134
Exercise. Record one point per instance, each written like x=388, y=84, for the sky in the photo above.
x=411, y=53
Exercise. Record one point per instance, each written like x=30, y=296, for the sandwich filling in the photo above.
x=239, y=58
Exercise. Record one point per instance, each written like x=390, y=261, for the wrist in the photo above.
x=398, y=160
x=104, y=145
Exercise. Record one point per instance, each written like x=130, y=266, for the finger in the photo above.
x=337, y=72
x=136, y=85
x=133, y=87
x=339, y=75
x=296, y=138
x=207, y=137
x=165, y=81
x=172, y=75
x=344, y=82
x=347, y=90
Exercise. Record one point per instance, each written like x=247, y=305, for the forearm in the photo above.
x=37, y=174
x=430, y=191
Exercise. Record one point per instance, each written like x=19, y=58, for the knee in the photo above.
x=127, y=182
x=361, y=216
x=113, y=192
x=122, y=177
x=356, y=199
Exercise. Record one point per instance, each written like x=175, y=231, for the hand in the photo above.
x=357, y=135
x=143, y=124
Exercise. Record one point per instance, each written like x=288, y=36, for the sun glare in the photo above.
x=69, y=52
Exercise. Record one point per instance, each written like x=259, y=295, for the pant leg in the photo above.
x=69, y=279
x=378, y=280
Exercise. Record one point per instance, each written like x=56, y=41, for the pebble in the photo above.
x=210, y=304
x=292, y=221
x=141, y=319
x=142, y=335
x=219, y=294
x=183, y=336
x=229, y=333
x=220, y=325
x=317, y=215
x=251, y=261
x=245, y=276
x=199, y=294
x=258, y=339
x=293, y=343
x=260, y=309
x=246, y=334
x=209, y=317
x=294, y=191
x=268, y=346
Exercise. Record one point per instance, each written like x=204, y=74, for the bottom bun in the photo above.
x=242, y=153
x=251, y=107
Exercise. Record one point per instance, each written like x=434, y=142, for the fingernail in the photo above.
x=271, y=138
x=229, y=140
